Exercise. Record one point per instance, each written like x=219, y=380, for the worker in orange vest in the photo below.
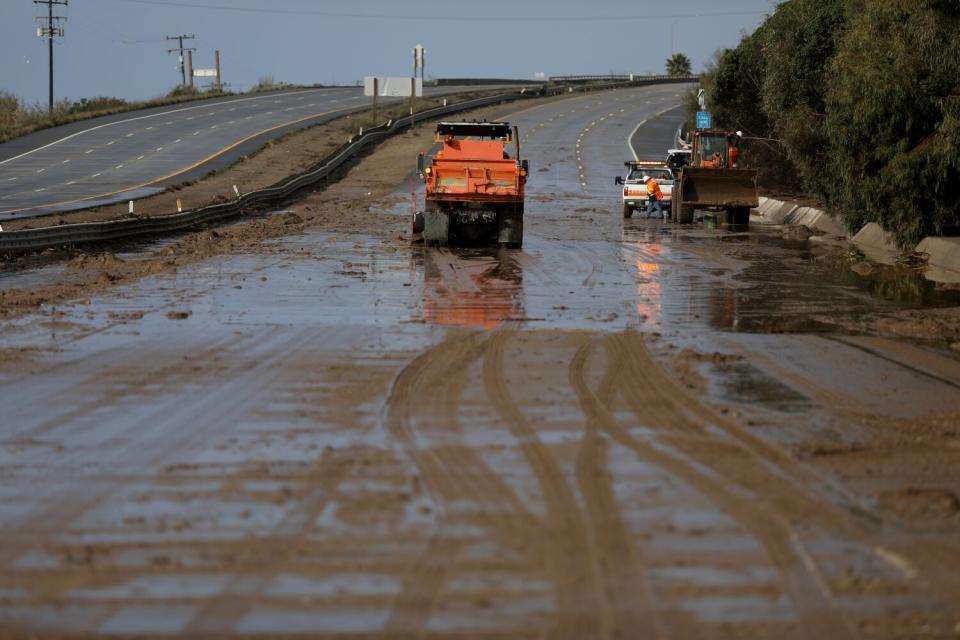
x=654, y=196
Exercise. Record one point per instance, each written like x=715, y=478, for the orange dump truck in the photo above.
x=474, y=187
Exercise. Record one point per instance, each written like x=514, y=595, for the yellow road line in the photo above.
x=178, y=171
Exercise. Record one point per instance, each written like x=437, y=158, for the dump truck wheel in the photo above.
x=740, y=216
x=510, y=227
x=436, y=227
x=685, y=214
x=627, y=211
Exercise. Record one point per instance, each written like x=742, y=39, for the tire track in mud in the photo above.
x=621, y=565
x=56, y=518
x=659, y=403
x=259, y=558
x=583, y=611
x=431, y=386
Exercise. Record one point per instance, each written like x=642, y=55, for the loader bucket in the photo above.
x=707, y=187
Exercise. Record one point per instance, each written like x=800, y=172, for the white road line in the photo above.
x=96, y=175
x=10, y=179
x=196, y=133
x=111, y=142
x=40, y=170
x=72, y=182
x=119, y=166
x=159, y=148
x=40, y=189
x=141, y=157
x=177, y=140
x=643, y=122
x=149, y=128
x=129, y=135
x=67, y=161
x=88, y=152
x=168, y=122
x=138, y=118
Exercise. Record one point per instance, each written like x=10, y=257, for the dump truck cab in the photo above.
x=474, y=187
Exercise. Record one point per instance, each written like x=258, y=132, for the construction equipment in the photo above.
x=475, y=190
x=713, y=180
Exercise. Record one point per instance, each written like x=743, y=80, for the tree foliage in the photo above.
x=893, y=117
x=678, y=65
x=861, y=99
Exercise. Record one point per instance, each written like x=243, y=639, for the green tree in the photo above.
x=678, y=65
x=893, y=117
x=799, y=40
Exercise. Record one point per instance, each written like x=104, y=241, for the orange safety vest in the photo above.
x=653, y=189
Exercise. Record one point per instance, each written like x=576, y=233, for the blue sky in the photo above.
x=117, y=47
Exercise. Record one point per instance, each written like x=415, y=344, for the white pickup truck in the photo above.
x=635, y=189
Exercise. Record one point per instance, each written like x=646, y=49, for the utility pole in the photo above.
x=50, y=27
x=180, y=49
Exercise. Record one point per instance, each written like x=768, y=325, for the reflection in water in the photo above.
x=643, y=249
x=477, y=288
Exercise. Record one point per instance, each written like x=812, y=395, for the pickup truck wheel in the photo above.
x=436, y=227
x=685, y=214
x=627, y=211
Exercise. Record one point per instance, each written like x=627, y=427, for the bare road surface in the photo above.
x=132, y=155
x=627, y=429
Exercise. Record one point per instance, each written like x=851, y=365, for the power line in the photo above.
x=51, y=26
x=436, y=18
x=183, y=72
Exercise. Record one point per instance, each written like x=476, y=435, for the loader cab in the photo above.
x=710, y=149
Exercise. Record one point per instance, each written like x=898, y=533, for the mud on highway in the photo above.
x=304, y=425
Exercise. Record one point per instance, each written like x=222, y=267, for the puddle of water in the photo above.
x=744, y=383
x=746, y=608
x=344, y=620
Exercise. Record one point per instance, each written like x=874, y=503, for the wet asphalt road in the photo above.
x=132, y=155
x=353, y=435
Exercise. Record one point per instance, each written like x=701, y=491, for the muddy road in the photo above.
x=628, y=429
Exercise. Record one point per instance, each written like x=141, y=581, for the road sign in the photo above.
x=392, y=87
x=702, y=98
x=204, y=73
x=704, y=121
x=418, y=53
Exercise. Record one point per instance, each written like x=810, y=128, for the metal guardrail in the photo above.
x=623, y=78
x=32, y=240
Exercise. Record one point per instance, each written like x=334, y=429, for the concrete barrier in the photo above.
x=943, y=254
x=943, y=258
x=816, y=220
x=877, y=244
x=773, y=211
